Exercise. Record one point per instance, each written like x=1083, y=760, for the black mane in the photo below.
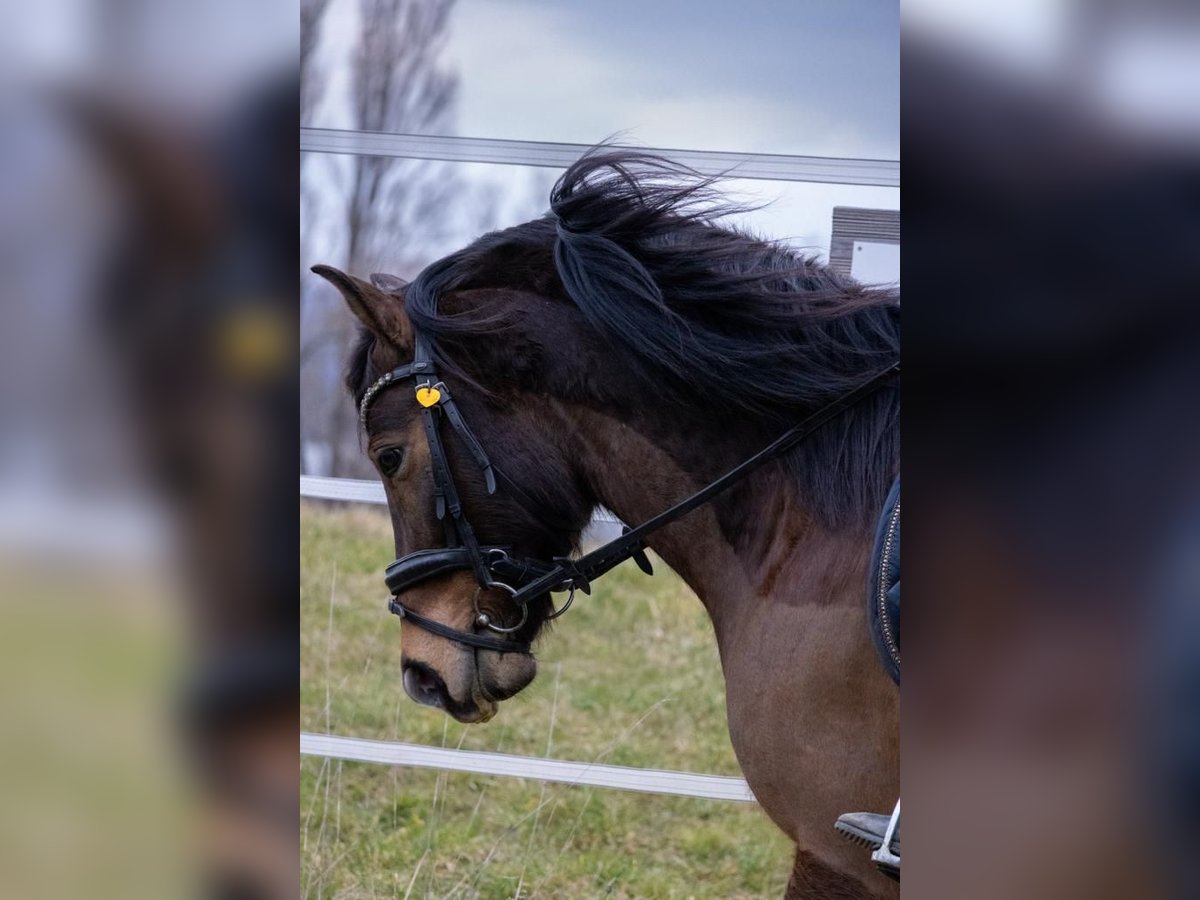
x=716, y=318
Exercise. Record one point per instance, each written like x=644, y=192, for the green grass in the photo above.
x=93, y=800
x=630, y=677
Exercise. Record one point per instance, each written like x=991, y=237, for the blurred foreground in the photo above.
x=147, y=418
x=1052, y=450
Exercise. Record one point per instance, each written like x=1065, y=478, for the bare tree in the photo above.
x=398, y=85
x=311, y=14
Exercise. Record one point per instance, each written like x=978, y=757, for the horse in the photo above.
x=626, y=350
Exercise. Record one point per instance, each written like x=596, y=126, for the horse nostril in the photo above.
x=424, y=685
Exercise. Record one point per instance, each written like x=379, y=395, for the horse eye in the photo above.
x=390, y=459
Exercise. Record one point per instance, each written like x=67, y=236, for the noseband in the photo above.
x=524, y=580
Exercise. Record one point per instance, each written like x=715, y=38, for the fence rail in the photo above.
x=352, y=490
x=766, y=166
x=355, y=490
x=622, y=778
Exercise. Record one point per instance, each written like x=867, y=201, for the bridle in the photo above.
x=524, y=580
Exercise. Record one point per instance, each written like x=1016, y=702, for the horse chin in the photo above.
x=479, y=712
x=499, y=676
x=473, y=692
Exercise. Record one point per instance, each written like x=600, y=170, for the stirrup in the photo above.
x=887, y=860
x=878, y=833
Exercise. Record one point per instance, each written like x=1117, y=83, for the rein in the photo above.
x=527, y=579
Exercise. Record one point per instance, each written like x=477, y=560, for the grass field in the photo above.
x=629, y=677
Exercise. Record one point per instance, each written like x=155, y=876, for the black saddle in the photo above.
x=883, y=597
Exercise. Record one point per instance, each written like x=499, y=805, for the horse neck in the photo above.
x=756, y=544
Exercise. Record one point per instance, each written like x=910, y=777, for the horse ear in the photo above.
x=378, y=309
x=388, y=283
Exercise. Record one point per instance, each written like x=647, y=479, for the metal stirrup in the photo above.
x=884, y=856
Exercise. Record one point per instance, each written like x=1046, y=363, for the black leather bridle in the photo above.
x=527, y=579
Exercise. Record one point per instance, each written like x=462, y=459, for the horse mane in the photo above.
x=714, y=317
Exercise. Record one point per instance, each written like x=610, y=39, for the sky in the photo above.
x=810, y=77
x=806, y=77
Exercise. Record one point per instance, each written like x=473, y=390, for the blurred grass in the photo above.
x=629, y=677
x=92, y=797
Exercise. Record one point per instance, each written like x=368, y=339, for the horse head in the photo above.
x=529, y=505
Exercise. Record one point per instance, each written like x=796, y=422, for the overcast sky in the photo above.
x=813, y=77
x=818, y=77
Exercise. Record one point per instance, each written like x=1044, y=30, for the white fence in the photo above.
x=621, y=778
x=349, y=489
x=827, y=170
x=353, y=490
x=765, y=166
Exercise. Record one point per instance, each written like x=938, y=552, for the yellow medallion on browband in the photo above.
x=428, y=396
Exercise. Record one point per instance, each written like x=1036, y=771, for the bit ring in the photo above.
x=483, y=620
